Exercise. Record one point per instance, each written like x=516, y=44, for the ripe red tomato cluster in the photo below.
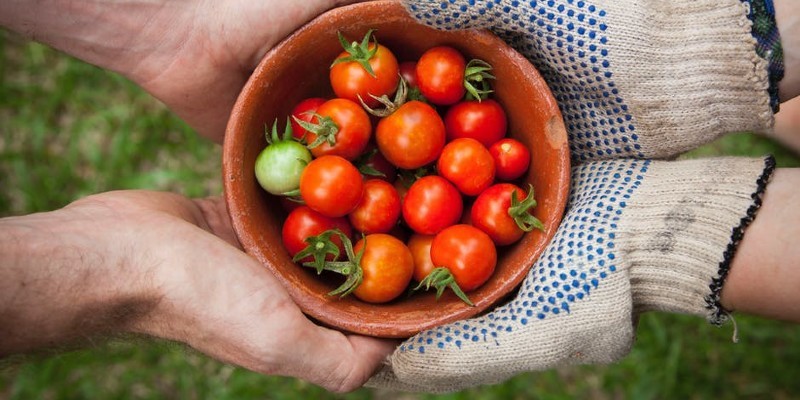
x=400, y=179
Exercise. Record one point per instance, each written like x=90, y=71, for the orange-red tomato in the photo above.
x=350, y=80
x=440, y=75
x=484, y=121
x=511, y=159
x=412, y=136
x=467, y=252
x=490, y=213
x=432, y=204
x=379, y=208
x=387, y=265
x=353, y=133
x=468, y=164
x=331, y=185
x=420, y=246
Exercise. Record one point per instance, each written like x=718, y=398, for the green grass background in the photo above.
x=68, y=129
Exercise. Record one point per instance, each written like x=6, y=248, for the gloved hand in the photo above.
x=634, y=82
x=639, y=235
x=645, y=79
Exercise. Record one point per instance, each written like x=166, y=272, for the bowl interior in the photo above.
x=298, y=68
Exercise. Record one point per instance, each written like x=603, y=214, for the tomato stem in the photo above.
x=520, y=211
x=351, y=268
x=359, y=52
x=319, y=247
x=441, y=278
x=477, y=73
x=272, y=135
x=325, y=129
x=390, y=106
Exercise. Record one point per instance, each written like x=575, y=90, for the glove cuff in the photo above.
x=683, y=232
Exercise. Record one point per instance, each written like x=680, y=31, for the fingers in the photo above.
x=338, y=362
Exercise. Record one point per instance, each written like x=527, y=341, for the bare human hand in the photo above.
x=163, y=265
x=193, y=55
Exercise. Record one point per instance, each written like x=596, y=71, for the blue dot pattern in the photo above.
x=581, y=256
x=566, y=40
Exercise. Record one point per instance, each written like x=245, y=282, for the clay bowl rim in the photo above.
x=349, y=314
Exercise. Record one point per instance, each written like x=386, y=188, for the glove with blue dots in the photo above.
x=635, y=82
x=639, y=235
x=644, y=79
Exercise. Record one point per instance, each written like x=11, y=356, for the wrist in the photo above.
x=685, y=228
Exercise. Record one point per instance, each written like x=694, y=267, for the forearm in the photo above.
x=58, y=286
x=764, y=276
x=117, y=35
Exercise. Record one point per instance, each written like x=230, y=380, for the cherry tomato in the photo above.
x=373, y=164
x=420, y=246
x=387, y=265
x=412, y=136
x=468, y=164
x=379, y=208
x=331, y=186
x=440, y=75
x=490, y=213
x=353, y=129
x=408, y=70
x=303, y=222
x=431, y=204
x=280, y=165
x=511, y=159
x=484, y=121
x=350, y=80
x=304, y=111
x=467, y=252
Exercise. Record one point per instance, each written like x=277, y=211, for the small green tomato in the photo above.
x=280, y=164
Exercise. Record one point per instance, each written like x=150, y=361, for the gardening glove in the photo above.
x=643, y=79
x=639, y=235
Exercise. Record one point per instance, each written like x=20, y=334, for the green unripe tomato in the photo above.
x=279, y=166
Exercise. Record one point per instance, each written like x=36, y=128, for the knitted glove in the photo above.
x=639, y=235
x=643, y=79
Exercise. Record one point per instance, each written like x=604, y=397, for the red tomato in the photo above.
x=467, y=253
x=468, y=164
x=432, y=204
x=304, y=222
x=331, y=186
x=484, y=121
x=440, y=75
x=304, y=111
x=349, y=79
x=511, y=159
x=412, y=136
x=379, y=208
x=490, y=213
x=352, y=133
x=408, y=70
x=420, y=246
x=373, y=164
x=387, y=265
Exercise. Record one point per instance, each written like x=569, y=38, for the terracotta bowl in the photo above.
x=298, y=68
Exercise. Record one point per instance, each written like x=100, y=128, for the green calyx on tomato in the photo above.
x=476, y=79
x=520, y=211
x=362, y=163
x=360, y=53
x=319, y=247
x=441, y=278
x=325, y=130
x=390, y=106
x=351, y=267
x=279, y=166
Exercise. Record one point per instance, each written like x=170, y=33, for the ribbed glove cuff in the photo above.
x=682, y=229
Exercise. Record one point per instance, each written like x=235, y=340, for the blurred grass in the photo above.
x=68, y=129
